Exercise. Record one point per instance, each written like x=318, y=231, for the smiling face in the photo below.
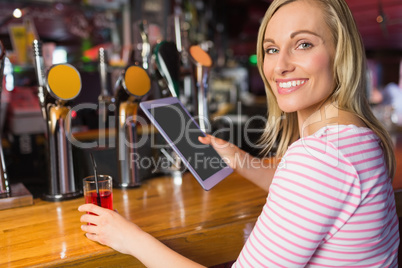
x=299, y=52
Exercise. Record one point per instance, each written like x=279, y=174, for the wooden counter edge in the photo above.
x=204, y=246
x=190, y=244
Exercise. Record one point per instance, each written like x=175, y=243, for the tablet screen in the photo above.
x=184, y=133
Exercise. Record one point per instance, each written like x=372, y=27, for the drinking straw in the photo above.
x=96, y=181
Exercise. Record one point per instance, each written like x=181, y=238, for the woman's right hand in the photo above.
x=258, y=170
x=228, y=151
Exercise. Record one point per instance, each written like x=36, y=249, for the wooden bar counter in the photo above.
x=209, y=227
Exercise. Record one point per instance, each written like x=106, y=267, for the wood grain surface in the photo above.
x=209, y=227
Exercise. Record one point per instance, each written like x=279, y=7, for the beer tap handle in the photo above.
x=203, y=62
x=146, y=47
x=2, y=59
x=103, y=65
x=40, y=76
x=133, y=84
x=63, y=85
x=177, y=30
x=168, y=64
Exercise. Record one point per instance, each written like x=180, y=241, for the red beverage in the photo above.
x=106, y=198
x=104, y=184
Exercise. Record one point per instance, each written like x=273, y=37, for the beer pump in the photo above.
x=203, y=62
x=11, y=195
x=4, y=186
x=61, y=84
x=146, y=47
x=132, y=84
x=167, y=59
x=168, y=64
x=104, y=98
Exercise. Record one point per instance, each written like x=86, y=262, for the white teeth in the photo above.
x=291, y=84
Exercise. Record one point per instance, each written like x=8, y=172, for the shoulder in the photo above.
x=326, y=160
x=334, y=143
x=321, y=174
x=314, y=172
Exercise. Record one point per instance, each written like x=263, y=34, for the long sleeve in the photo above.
x=330, y=204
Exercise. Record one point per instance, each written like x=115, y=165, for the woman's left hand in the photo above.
x=109, y=228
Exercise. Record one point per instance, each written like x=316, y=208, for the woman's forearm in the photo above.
x=260, y=171
x=257, y=170
x=111, y=229
x=152, y=253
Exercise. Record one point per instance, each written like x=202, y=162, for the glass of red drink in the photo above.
x=105, y=186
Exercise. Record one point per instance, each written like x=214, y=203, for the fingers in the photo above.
x=89, y=228
x=96, y=218
x=93, y=219
x=93, y=213
x=209, y=139
x=91, y=231
x=223, y=147
x=92, y=208
x=219, y=142
x=205, y=140
x=92, y=237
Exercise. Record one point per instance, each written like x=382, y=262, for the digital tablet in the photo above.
x=181, y=132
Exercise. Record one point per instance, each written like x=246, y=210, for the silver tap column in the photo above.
x=63, y=84
x=104, y=98
x=133, y=83
x=202, y=62
x=4, y=186
x=60, y=184
x=146, y=47
x=202, y=97
x=40, y=76
x=44, y=100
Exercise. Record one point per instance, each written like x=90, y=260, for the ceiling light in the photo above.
x=17, y=13
x=380, y=19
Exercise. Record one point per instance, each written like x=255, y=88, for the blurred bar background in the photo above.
x=136, y=32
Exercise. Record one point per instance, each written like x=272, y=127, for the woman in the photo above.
x=330, y=200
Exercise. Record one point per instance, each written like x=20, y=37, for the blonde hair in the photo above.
x=350, y=81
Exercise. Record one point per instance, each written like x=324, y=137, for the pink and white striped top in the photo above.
x=331, y=204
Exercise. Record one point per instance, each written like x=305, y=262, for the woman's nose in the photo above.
x=284, y=63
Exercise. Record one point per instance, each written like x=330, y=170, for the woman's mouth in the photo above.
x=288, y=86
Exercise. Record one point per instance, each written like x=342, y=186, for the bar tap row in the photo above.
x=177, y=72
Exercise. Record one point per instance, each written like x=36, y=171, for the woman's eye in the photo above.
x=305, y=46
x=271, y=51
